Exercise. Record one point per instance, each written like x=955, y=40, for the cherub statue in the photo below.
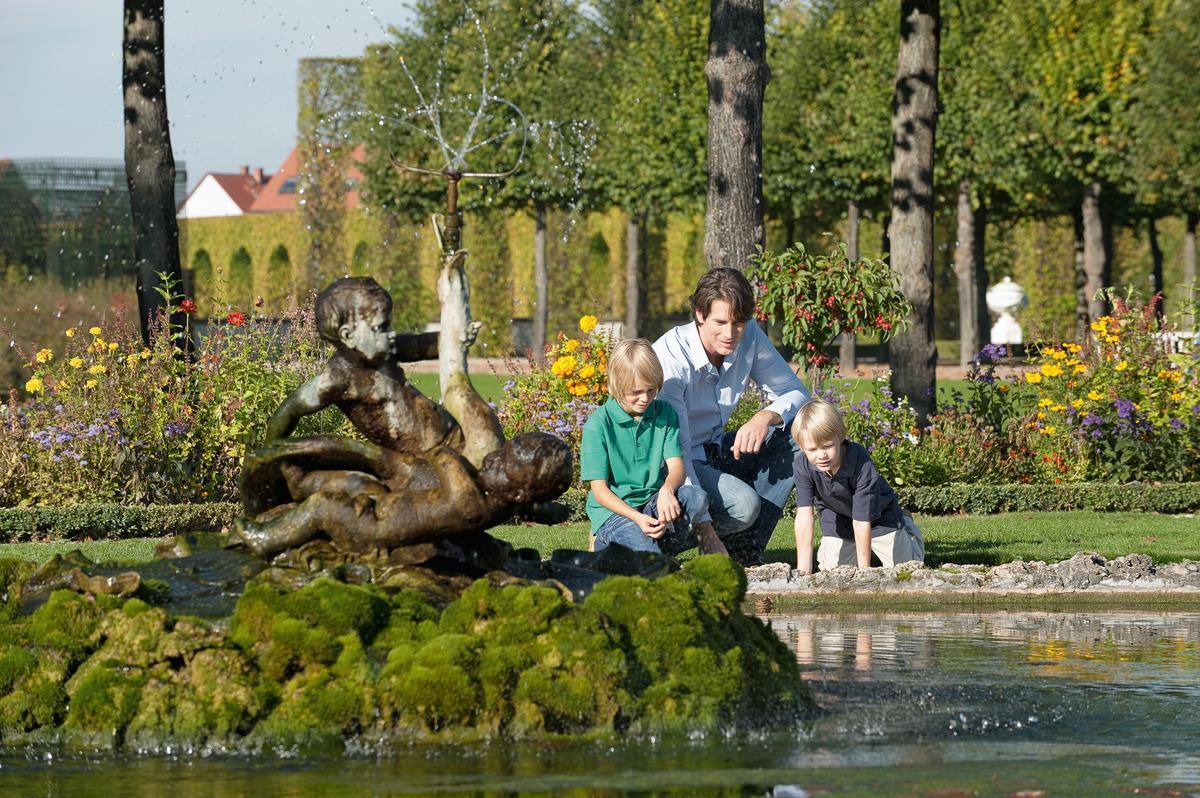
x=426, y=472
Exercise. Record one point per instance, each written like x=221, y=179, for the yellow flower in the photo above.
x=95, y=330
x=1057, y=354
x=35, y=385
x=1112, y=339
x=587, y=371
x=571, y=345
x=1033, y=377
x=588, y=323
x=1095, y=396
x=1048, y=430
x=112, y=347
x=62, y=386
x=70, y=332
x=1058, y=408
x=1170, y=374
x=97, y=369
x=1177, y=396
x=563, y=366
x=1052, y=370
x=145, y=353
x=576, y=388
x=44, y=356
x=1073, y=348
x=90, y=384
x=1080, y=368
x=1003, y=387
x=1122, y=366
x=76, y=362
x=1045, y=402
x=131, y=360
x=1077, y=403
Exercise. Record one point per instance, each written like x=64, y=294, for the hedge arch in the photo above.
x=239, y=285
x=201, y=279
x=279, y=291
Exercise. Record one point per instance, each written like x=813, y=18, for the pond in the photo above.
x=1010, y=704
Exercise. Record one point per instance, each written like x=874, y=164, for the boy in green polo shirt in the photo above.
x=628, y=444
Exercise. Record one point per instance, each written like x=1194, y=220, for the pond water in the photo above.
x=1011, y=704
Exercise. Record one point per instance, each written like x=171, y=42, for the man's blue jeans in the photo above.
x=748, y=494
x=679, y=537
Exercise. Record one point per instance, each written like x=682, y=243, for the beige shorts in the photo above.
x=905, y=544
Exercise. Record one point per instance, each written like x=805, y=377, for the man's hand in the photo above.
x=651, y=527
x=753, y=434
x=668, y=505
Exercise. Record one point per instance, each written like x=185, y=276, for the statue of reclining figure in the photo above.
x=427, y=472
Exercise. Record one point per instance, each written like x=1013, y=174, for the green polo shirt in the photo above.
x=626, y=453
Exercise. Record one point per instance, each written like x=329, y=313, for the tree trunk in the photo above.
x=972, y=276
x=1189, y=270
x=1156, y=268
x=847, y=350
x=737, y=74
x=150, y=164
x=632, y=274
x=541, y=281
x=1095, y=253
x=914, y=121
x=1081, y=299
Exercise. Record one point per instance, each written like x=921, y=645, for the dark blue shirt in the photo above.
x=855, y=493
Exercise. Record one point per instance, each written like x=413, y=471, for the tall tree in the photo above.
x=149, y=162
x=328, y=123
x=1166, y=154
x=737, y=76
x=914, y=123
x=651, y=143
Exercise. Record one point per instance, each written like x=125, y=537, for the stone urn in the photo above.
x=1004, y=299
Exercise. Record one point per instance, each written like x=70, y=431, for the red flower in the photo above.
x=236, y=318
x=187, y=306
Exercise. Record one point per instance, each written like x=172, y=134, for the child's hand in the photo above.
x=651, y=526
x=668, y=506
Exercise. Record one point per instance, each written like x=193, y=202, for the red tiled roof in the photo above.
x=279, y=194
x=243, y=189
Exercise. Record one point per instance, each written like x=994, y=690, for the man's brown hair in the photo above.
x=725, y=285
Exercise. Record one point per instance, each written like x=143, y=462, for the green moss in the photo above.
x=104, y=698
x=12, y=573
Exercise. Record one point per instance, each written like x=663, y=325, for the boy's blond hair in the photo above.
x=819, y=421
x=630, y=359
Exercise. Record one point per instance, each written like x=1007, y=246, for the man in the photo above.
x=747, y=474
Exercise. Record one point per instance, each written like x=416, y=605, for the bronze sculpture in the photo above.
x=425, y=471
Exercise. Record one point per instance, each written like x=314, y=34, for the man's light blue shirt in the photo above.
x=705, y=397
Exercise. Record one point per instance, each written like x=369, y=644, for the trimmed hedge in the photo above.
x=983, y=499
x=114, y=521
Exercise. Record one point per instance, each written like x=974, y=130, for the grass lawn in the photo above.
x=988, y=540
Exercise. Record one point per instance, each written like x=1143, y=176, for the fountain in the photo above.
x=362, y=601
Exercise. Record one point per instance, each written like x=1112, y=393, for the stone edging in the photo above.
x=1085, y=572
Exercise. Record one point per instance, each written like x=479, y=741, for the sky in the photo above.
x=231, y=75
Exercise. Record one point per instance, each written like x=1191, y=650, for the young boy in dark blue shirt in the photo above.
x=860, y=513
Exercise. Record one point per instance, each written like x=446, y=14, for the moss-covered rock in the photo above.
x=334, y=660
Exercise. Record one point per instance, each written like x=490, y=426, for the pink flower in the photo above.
x=187, y=306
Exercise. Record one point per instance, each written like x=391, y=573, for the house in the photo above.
x=279, y=195
x=221, y=194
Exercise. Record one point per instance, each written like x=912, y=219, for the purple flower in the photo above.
x=174, y=429
x=991, y=353
x=1176, y=424
x=1124, y=408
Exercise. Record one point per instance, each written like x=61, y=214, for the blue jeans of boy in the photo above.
x=619, y=529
